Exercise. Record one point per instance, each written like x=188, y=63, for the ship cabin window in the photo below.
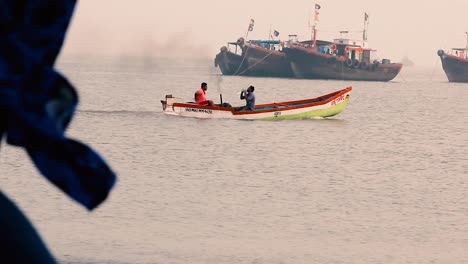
x=324, y=49
x=340, y=51
x=353, y=55
x=366, y=56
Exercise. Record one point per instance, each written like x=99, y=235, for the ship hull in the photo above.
x=230, y=63
x=455, y=68
x=254, y=61
x=266, y=63
x=311, y=64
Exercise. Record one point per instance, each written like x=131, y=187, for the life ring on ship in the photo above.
x=349, y=62
x=356, y=63
x=333, y=47
x=347, y=49
x=440, y=52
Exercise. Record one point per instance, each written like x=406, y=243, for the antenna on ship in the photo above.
x=269, y=34
x=343, y=32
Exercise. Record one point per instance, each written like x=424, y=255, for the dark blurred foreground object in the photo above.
x=19, y=240
x=36, y=106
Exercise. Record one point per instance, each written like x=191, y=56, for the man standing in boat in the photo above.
x=200, y=95
x=249, y=97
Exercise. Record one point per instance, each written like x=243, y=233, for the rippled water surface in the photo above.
x=383, y=182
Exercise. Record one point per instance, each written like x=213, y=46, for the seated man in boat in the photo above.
x=249, y=97
x=200, y=95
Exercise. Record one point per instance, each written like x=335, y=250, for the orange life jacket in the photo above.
x=200, y=96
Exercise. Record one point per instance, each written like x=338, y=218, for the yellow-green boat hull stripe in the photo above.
x=334, y=110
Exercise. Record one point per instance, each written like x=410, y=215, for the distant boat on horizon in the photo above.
x=262, y=58
x=340, y=59
x=455, y=63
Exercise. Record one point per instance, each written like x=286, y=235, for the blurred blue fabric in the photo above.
x=37, y=103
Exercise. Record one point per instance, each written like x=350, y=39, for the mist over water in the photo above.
x=382, y=182
x=199, y=28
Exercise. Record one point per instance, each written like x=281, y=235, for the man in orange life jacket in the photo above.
x=200, y=95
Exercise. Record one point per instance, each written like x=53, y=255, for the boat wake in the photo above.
x=117, y=112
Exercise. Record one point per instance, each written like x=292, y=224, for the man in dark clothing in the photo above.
x=249, y=97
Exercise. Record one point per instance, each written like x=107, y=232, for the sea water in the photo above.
x=383, y=182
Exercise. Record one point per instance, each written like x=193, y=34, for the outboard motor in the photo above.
x=168, y=102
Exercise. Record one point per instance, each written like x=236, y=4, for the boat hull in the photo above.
x=455, y=68
x=311, y=64
x=321, y=107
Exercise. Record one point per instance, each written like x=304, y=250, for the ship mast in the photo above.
x=366, y=25
x=314, y=30
x=466, y=50
x=269, y=33
x=313, y=36
x=314, y=27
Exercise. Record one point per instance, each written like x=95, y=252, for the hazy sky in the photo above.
x=398, y=28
